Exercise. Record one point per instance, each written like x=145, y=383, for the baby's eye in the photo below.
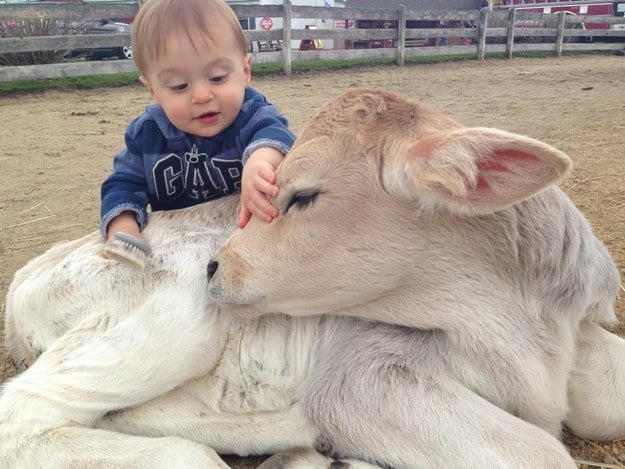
x=179, y=87
x=218, y=79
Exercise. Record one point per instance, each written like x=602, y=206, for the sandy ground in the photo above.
x=58, y=147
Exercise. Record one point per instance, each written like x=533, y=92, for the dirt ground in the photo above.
x=58, y=147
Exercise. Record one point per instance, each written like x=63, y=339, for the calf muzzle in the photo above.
x=211, y=268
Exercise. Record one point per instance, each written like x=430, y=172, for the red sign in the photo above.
x=343, y=24
x=266, y=23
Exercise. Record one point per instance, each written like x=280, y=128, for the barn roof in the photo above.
x=416, y=4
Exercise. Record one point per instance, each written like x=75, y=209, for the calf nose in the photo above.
x=211, y=268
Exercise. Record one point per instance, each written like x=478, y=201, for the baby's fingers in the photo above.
x=267, y=173
x=262, y=208
x=265, y=187
x=244, y=217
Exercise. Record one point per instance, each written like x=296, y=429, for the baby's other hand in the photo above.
x=126, y=222
x=257, y=184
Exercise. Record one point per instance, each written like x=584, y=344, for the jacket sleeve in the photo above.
x=266, y=128
x=126, y=187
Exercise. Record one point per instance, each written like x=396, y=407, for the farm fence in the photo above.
x=324, y=33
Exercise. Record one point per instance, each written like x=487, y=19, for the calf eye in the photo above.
x=302, y=199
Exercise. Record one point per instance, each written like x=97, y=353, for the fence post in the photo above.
x=560, y=33
x=401, y=36
x=481, y=34
x=286, y=37
x=510, y=38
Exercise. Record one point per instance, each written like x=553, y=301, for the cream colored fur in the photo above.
x=463, y=297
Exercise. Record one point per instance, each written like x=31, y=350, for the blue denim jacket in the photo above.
x=167, y=169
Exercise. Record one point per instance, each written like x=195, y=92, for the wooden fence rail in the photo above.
x=456, y=32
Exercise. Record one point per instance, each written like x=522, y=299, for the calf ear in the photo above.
x=477, y=170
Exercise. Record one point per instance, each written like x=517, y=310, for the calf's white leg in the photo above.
x=298, y=458
x=597, y=385
x=392, y=399
x=444, y=426
x=106, y=364
x=184, y=413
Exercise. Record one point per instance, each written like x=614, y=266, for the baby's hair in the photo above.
x=158, y=18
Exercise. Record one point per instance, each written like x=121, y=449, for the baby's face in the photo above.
x=201, y=87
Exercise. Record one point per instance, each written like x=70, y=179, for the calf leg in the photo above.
x=392, y=416
x=71, y=447
x=297, y=458
x=97, y=368
x=597, y=385
x=56, y=291
x=184, y=413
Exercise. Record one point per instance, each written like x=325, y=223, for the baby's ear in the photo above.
x=247, y=69
x=144, y=81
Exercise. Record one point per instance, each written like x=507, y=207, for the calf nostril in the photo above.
x=211, y=268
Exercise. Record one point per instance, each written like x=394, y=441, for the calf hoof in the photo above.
x=308, y=458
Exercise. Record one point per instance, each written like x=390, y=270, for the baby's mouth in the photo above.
x=208, y=116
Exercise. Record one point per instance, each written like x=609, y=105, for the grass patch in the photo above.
x=301, y=66
x=132, y=78
x=72, y=83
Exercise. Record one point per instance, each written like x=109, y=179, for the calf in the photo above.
x=486, y=294
x=394, y=213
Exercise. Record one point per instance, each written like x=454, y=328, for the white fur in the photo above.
x=485, y=285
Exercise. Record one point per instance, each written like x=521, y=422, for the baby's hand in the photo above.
x=126, y=222
x=258, y=183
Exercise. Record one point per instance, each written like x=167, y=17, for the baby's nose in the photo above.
x=202, y=94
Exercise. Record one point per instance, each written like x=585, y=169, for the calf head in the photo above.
x=375, y=192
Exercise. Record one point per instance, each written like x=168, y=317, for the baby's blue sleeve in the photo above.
x=266, y=128
x=126, y=188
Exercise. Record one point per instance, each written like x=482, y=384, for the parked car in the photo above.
x=265, y=46
x=105, y=26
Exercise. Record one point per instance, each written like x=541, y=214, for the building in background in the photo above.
x=573, y=7
x=411, y=5
x=268, y=23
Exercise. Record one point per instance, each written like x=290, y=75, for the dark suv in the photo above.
x=105, y=27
